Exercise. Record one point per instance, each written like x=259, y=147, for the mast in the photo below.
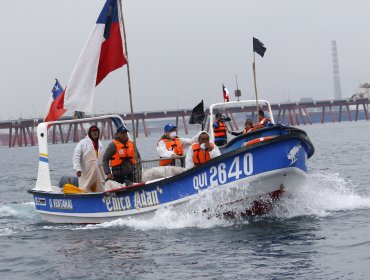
x=128, y=76
x=255, y=83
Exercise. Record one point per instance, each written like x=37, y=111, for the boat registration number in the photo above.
x=222, y=173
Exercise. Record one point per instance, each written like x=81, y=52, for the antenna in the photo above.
x=237, y=92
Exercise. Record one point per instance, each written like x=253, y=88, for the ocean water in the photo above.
x=321, y=231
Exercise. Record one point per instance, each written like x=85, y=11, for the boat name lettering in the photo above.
x=114, y=203
x=40, y=201
x=221, y=173
x=147, y=198
x=65, y=204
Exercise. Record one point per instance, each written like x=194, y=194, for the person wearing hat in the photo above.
x=219, y=130
x=119, y=158
x=87, y=161
x=171, y=146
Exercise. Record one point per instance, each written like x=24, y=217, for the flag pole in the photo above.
x=128, y=77
x=223, y=92
x=237, y=86
x=255, y=84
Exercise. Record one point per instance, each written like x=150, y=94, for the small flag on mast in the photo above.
x=258, y=47
x=55, y=110
x=197, y=115
x=225, y=93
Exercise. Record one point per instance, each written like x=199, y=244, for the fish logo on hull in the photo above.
x=292, y=155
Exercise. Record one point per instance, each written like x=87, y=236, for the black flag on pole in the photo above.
x=258, y=47
x=197, y=116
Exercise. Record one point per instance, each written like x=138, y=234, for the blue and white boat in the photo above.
x=242, y=181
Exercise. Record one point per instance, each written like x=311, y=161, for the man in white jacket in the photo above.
x=172, y=146
x=201, y=152
x=87, y=162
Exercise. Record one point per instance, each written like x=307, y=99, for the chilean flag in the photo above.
x=56, y=109
x=226, y=93
x=102, y=54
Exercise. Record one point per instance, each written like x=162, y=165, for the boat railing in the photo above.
x=147, y=164
x=150, y=163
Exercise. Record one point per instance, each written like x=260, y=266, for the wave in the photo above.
x=17, y=217
x=6, y=211
x=321, y=195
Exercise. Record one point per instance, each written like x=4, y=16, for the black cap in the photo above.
x=261, y=113
x=218, y=115
x=121, y=129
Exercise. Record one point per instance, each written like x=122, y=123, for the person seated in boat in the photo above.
x=219, y=130
x=247, y=128
x=87, y=161
x=201, y=152
x=172, y=146
x=262, y=120
x=119, y=158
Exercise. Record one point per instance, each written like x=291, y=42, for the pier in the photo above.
x=22, y=132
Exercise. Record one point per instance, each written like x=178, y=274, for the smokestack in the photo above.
x=337, y=87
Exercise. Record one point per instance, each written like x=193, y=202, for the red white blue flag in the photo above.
x=56, y=109
x=102, y=54
x=225, y=93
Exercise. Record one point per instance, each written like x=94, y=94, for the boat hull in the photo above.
x=235, y=179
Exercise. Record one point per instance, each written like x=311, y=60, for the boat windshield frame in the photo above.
x=241, y=103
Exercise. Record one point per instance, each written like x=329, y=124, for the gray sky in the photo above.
x=182, y=51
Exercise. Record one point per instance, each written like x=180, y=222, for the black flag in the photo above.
x=197, y=116
x=258, y=47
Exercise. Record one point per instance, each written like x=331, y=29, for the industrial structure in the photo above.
x=336, y=77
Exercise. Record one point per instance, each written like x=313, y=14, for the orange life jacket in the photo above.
x=174, y=145
x=199, y=156
x=124, y=151
x=247, y=130
x=220, y=132
x=263, y=121
x=257, y=126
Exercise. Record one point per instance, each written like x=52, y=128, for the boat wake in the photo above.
x=15, y=218
x=320, y=196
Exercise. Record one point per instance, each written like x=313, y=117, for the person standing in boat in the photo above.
x=119, y=158
x=247, y=128
x=172, y=146
x=201, y=152
x=87, y=161
x=219, y=130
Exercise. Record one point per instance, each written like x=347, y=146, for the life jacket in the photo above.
x=264, y=120
x=124, y=151
x=257, y=126
x=200, y=156
x=247, y=130
x=174, y=145
x=220, y=132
